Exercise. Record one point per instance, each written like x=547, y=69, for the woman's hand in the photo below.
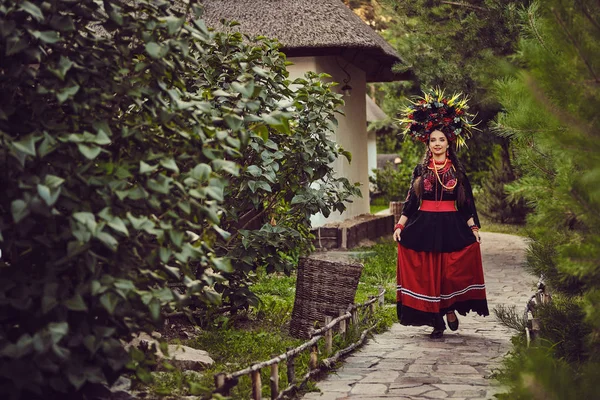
x=397, y=234
x=477, y=236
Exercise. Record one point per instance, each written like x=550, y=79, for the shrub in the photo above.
x=123, y=127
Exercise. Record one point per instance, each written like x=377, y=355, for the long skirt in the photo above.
x=431, y=284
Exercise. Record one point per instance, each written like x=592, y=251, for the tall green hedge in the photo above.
x=551, y=108
x=132, y=144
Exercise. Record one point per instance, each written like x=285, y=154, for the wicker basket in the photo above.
x=323, y=288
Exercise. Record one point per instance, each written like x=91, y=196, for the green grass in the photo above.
x=513, y=229
x=236, y=342
x=375, y=208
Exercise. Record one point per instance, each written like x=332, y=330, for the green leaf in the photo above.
x=226, y=165
x=142, y=223
x=53, y=181
x=144, y=375
x=185, y=207
x=102, y=138
x=222, y=264
x=64, y=65
x=214, y=192
x=76, y=378
x=146, y=168
x=76, y=303
x=89, y=152
x=234, y=122
x=222, y=232
x=173, y=271
x=87, y=219
x=160, y=185
x=262, y=131
x=221, y=93
x=174, y=24
x=211, y=214
x=254, y=170
x=156, y=51
x=26, y=146
x=247, y=90
x=176, y=237
x=97, y=288
x=109, y=301
x=271, y=145
x=201, y=172
x=49, y=197
x=47, y=146
x=32, y=10
x=154, y=308
x=67, y=93
x=261, y=72
x=108, y=240
x=58, y=330
x=264, y=186
x=170, y=165
x=49, y=37
x=118, y=225
x=19, y=210
x=164, y=254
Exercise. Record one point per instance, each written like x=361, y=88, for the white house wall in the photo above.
x=372, y=151
x=351, y=132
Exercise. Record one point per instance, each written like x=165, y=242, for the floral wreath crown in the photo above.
x=434, y=111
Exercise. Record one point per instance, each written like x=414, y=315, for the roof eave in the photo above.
x=376, y=63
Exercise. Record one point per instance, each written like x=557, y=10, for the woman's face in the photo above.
x=438, y=143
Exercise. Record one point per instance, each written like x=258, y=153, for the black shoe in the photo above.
x=436, y=334
x=453, y=325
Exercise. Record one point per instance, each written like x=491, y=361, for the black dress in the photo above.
x=439, y=260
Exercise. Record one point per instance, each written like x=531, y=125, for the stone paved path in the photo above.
x=403, y=363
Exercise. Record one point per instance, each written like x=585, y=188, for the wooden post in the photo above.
x=355, y=320
x=380, y=300
x=342, y=326
x=396, y=209
x=372, y=308
x=328, y=336
x=291, y=369
x=274, y=380
x=220, y=383
x=314, y=357
x=256, y=385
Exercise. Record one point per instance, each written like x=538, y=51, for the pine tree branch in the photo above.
x=587, y=14
x=572, y=39
x=452, y=3
x=530, y=15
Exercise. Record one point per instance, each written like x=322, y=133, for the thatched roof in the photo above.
x=374, y=113
x=311, y=28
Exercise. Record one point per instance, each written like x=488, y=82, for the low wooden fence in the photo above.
x=532, y=324
x=348, y=319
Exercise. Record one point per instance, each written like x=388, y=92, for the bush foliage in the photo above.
x=551, y=107
x=133, y=145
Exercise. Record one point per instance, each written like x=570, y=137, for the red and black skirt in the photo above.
x=439, y=269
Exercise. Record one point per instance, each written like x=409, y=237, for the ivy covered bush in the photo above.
x=139, y=155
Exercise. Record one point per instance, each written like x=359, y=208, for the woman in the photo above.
x=439, y=267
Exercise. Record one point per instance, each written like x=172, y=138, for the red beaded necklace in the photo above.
x=444, y=167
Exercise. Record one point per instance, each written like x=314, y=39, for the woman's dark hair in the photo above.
x=460, y=171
